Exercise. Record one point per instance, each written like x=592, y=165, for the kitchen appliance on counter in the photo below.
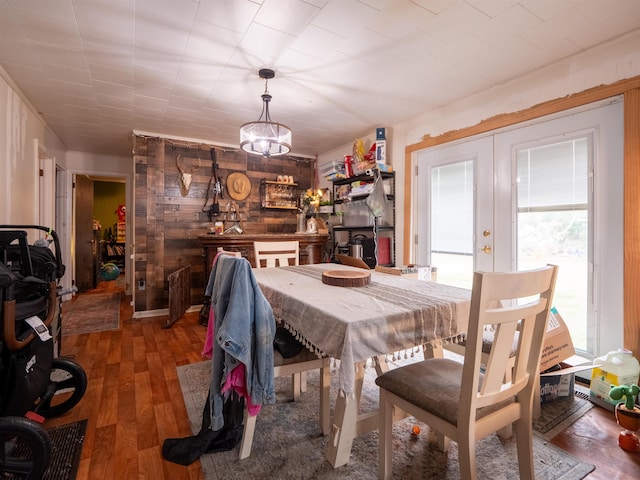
x=356, y=245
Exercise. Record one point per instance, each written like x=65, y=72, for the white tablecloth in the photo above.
x=352, y=324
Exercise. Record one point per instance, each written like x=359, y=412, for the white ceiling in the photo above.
x=98, y=69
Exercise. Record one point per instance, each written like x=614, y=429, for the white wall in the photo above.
x=605, y=64
x=20, y=127
x=22, y=133
x=99, y=164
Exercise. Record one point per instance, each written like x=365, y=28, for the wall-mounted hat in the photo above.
x=238, y=186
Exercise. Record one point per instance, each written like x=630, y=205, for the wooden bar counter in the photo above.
x=310, y=245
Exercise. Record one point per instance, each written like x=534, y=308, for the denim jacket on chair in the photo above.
x=244, y=332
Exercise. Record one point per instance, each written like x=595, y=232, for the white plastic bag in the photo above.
x=377, y=200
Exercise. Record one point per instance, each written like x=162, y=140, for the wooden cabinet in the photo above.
x=350, y=196
x=310, y=245
x=310, y=251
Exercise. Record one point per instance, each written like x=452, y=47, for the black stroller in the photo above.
x=34, y=381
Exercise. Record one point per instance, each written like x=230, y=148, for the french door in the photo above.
x=455, y=227
x=545, y=192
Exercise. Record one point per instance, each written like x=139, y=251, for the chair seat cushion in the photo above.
x=305, y=355
x=432, y=385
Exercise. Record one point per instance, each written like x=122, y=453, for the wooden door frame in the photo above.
x=630, y=89
x=70, y=226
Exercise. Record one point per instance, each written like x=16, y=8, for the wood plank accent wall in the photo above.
x=167, y=224
x=630, y=88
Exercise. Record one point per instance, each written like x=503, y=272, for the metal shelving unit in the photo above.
x=357, y=218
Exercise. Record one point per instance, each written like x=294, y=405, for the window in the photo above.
x=553, y=219
x=452, y=222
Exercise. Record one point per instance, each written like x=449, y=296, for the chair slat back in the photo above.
x=228, y=252
x=516, y=306
x=276, y=254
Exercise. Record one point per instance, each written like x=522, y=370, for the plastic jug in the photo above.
x=615, y=368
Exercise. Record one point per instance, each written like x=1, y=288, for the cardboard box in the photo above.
x=559, y=381
x=557, y=377
x=557, y=342
x=557, y=384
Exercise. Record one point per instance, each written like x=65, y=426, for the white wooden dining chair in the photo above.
x=276, y=254
x=456, y=399
x=487, y=345
x=303, y=362
x=280, y=254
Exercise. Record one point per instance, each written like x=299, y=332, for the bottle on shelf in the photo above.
x=348, y=165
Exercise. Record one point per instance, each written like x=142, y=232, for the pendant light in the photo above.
x=265, y=137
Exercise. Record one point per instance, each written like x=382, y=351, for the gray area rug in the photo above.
x=92, y=312
x=288, y=445
x=558, y=415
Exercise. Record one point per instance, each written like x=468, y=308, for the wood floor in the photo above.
x=133, y=402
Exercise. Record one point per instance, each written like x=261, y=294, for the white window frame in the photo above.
x=605, y=120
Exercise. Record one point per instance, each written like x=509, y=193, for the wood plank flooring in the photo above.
x=133, y=402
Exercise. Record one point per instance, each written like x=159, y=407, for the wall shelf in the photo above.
x=278, y=195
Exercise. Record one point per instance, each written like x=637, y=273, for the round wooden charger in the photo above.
x=346, y=278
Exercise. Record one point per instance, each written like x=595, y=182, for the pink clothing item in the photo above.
x=207, y=351
x=235, y=382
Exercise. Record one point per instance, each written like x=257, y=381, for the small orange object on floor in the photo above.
x=629, y=441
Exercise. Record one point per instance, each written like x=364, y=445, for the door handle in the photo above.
x=486, y=249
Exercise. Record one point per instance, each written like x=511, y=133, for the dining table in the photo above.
x=361, y=324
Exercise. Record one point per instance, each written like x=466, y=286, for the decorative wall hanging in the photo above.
x=185, y=176
x=238, y=186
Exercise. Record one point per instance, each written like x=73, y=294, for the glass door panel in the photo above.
x=553, y=221
x=454, y=215
x=564, y=206
x=451, y=229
